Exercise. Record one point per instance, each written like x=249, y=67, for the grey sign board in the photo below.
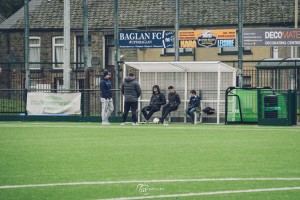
x=271, y=37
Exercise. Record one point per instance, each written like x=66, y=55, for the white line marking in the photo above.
x=147, y=181
x=207, y=193
x=184, y=127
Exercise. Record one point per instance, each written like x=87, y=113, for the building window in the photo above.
x=234, y=51
x=246, y=81
x=80, y=51
x=58, y=83
x=34, y=82
x=57, y=52
x=35, y=52
x=109, y=50
x=80, y=83
x=182, y=51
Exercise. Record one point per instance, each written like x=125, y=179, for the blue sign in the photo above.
x=146, y=39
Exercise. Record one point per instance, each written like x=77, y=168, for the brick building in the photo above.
x=46, y=35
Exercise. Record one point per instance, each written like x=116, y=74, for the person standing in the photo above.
x=131, y=91
x=174, y=102
x=157, y=100
x=193, y=104
x=106, y=97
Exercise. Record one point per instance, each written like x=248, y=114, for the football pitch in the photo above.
x=180, y=161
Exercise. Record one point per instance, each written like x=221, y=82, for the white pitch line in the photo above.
x=207, y=193
x=147, y=181
x=171, y=127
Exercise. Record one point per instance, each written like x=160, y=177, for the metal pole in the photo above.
x=219, y=94
x=176, y=30
x=240, y=40
x=85, y=33
x=26, y=44
x=67, y=69
x=296, y=25
x=116, y=75
x=85, y=57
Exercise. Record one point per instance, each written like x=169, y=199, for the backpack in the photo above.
x=208, y=110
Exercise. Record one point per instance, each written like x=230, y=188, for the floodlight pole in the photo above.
x=85, y=33
x=67, y=68
x=85, y=56
x=26, y=44
x=296, y=25
x=116, y=67
x=176, y=30
x=240, y=41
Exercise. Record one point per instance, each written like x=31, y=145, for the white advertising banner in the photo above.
x=53, y=103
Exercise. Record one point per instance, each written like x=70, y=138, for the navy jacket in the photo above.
x=194, y=101
x=105, y=88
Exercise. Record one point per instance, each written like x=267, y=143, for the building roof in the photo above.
x=1, y=18
x=18, y=17
x=155, y=13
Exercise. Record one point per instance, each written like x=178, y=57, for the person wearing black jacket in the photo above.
x=131, y=91
x=174, y=102
x=157, y=100
x=106, y=98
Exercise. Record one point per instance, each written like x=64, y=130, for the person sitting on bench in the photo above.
x=157, y=100
x=174, y=101
x=193, y=104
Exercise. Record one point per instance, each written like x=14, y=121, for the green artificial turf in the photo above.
x=41, y=153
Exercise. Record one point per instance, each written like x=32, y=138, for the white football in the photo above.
x=156, y=120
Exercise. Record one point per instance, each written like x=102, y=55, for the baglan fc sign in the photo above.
x=146, y=39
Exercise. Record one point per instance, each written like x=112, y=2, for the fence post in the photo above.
x=259, y=107
x=82, y=104
x=25, y=101
x=292, y=107
x=226, y=105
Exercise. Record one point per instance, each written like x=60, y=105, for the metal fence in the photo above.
x=13, y=103
x=46, y=77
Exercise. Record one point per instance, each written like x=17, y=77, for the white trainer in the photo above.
x=135, y=124
x=105, y=123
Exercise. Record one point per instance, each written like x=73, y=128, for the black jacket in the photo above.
x=131, y=89
x=158, y=99
x=174, y=99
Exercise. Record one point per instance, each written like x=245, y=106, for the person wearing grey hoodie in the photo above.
x=131, y=91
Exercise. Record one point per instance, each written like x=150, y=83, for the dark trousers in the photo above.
x=190, y=112
x=151, y=110
x=166, y=110
x=130, y=106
